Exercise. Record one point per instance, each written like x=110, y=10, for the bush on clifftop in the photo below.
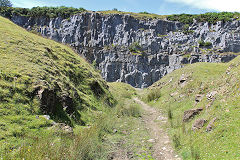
x=49, y=12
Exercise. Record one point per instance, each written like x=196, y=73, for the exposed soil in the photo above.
x=154, y=119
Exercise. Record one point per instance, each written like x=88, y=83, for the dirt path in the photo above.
x=153, y=119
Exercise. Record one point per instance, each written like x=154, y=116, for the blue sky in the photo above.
x=152, y=6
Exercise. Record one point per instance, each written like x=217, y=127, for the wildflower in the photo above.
x=28, y=150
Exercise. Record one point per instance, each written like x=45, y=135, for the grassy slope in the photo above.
x=29, y=61
x=221, y=143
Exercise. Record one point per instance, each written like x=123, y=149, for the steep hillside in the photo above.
x=202, y=104
x=42, y=77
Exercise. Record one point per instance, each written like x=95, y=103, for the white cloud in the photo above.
x=219, y=5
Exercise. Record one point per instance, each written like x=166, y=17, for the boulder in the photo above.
x=47, y=117
x=198, y=98
x=191, y=113
x=63, y=127
x=174, y=94
x=115, y=131
x=211, y=95
x=210, y=126
x=198, y=124
x=182, y=79
x=209, y=104
x=151, y=140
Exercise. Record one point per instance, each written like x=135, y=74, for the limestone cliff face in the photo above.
x=138, y=52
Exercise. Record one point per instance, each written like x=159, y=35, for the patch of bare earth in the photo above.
x=153, y=119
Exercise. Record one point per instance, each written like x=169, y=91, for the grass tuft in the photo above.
x=154, y=94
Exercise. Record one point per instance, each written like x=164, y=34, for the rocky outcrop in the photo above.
x=198, y=98
x=211, y=125
x=189, y=114
x=138, y=51
x=211, y=95
x=198, y=124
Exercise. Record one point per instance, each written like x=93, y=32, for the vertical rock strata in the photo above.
x=138, y=51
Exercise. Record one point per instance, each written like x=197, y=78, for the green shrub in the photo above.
x=184, y=18
x=186, y=29
x=48, y=12
x=135, y=47
x=208, y=44
x=204, y=44
x=132, y=110
x=188, y=32
x=170, y=115
x=153, y=95
x=194, y=153
x=201, y=43
x=5, y=3
x=176, y=141
x=160, y=35
x=144, y=12
x=187, y=56
x=211, y=17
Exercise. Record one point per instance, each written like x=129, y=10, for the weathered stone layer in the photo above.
x=161, y=46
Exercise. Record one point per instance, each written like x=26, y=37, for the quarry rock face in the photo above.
x=137, y=51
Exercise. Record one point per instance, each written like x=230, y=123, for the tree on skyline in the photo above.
x=5, y=3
